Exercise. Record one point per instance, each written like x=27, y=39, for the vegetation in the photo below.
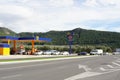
x=5, y=31
x=75, y=48
x=35, y=58
x=82, y=39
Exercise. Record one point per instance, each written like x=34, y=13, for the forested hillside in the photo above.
x=81, y=37
x=5, y=31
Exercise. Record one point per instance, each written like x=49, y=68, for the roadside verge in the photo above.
x=38, y=58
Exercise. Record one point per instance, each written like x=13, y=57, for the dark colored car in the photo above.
x=82, y=53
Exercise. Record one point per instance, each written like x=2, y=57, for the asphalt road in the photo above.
x=92, y=68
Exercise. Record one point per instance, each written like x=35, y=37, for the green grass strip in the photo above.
x=34, y=58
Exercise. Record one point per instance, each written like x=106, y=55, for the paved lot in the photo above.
x=93, y=68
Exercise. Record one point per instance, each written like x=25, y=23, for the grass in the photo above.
x=37, y=58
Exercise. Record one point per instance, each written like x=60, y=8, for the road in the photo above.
x=92, y=68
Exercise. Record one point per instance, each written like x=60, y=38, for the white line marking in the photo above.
x=83, y=75
x=116, y=63
x=101, y=68
x=84, y=67
x=110, y=66
x=89, y=74
x=11, y=76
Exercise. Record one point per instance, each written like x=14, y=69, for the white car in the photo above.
x=51, y=52
x=65, y=53
x=21, y=51
x=39, y=53
x=55, y=52
x=116, y=53
x=48, y=52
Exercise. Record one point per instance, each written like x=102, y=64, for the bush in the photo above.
x=75, y=49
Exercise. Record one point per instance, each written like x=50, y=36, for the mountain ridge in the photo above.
x=5, y=31
x=81, y=36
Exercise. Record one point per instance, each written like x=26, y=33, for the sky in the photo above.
x=60, y=15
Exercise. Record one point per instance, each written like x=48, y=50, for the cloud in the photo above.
x=12, y=14
x=45, y=15
x=101, y=3
x=15, y=10
x=61, y=3
x=91, y=3
x=1, y=24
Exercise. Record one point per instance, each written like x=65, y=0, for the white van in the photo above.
x=117, y=51
x=96, y=52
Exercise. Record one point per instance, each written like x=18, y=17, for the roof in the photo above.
x=8, y=37
x=45, y=39
x=25, y=38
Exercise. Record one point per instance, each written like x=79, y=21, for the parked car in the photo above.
x=83, y=53
x=116, y=53
x=21, y=51
x=106, y=53
x=64, y=53
x=39, y=53
x=48, y=52
x=55, y=52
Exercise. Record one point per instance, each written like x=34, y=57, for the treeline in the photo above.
x=81, y=37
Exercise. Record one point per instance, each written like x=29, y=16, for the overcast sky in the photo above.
x=46, y=15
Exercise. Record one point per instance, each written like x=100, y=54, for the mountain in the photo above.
x=80, y=37
x=5, y=31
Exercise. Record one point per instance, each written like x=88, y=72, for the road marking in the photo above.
x=89, y=74
x=11, y=76
x=116, y=63
x=101, y=68
x=84, y=67
x=110, y=66
x=83, y=75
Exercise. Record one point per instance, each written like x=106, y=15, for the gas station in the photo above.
x=5, y=47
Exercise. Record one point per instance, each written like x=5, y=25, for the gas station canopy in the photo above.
x=8, y=37
x=25, y=38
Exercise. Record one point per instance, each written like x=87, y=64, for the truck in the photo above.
x=96, y=52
